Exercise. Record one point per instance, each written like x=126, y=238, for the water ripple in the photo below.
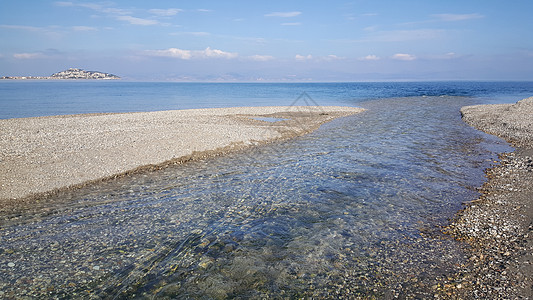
x=351, y=209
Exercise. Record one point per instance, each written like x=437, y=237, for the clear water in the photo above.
x=353, y=209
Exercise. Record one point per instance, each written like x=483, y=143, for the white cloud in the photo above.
x=215, y=53
x=261, y=57
x=191, y=54
x=331, y=57
x=112, y=10
x=370, y=57
x=327, y=58
x=284, y=14
x=171, y=52
x=457, y=17
x=302, y=57
x=291, y=24
x=165, y=12
x=403, y=56
x=137, y=21
x=449, y=55
x=309, y=57
x=28, y=55
x=84, y=28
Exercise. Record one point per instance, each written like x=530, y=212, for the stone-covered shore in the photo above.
x=499, y=224
x=42, y=155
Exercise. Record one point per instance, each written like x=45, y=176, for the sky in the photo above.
x=272, y=41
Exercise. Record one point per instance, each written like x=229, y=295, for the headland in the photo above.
x=72, y=73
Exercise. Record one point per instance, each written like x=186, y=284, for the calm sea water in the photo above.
x=42, y=98
x=353, y=209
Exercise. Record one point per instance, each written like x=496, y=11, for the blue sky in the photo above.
x=361, y=40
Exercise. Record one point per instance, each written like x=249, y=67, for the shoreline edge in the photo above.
x=498, y=226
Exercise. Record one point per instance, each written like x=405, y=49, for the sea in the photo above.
x=20, y=99
x=354, y=209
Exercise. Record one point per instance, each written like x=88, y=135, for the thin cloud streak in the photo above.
x=84, y=28
x=122, y=14
x=46, y=54
x=457, y=17
x=96, y=7
x=165, y=12
x=137, y=21
x=327, y=58
x=436, y=18
x=284, y=14
x=28, y=55
x=54, y=32
x=261, y=57
x=23, y=27
x=191, y=54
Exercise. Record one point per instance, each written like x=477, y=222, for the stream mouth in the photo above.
x=352, y=209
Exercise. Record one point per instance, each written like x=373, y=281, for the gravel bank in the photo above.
x=499, y=224
x=39, y=156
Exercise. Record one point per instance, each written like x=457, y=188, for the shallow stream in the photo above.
x=352, y=209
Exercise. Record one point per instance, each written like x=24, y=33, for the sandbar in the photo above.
x=42, y=155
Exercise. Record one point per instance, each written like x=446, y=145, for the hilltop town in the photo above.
x=72, y=73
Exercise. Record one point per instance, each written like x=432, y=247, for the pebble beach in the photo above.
x=45, y=154
x=499, y=224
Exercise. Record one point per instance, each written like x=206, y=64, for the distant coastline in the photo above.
x=70, y=74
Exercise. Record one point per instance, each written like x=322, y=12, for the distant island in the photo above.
x=71, y=73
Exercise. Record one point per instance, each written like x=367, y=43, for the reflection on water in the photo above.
x=351, y=209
